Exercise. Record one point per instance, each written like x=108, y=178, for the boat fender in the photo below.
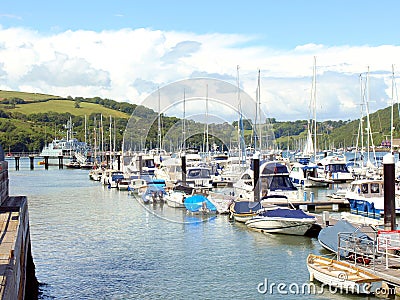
x=311, y=276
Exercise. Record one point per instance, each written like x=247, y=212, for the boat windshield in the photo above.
x=280, y=182
x=336, y=168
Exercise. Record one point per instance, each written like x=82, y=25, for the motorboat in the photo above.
x=284, y=220
x=242, y=211
x=273, y=181
x=307, y=176
x=334, y=168
x=366, y=198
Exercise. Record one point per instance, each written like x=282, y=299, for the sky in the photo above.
x=126, y=50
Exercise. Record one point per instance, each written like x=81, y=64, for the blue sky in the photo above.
x=123, y=50
x=284, y=23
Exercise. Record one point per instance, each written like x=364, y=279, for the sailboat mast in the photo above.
x=207, y=145
x=391, y=117
x=259, y=110
x=183, y=122
x=242, y=153
x=159, y=122
x=315, y=105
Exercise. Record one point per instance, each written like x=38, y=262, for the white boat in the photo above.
x=95, y=174
x=274, y=181
x=307, y=176
x=282, y=220
x=137, y=184
x=221, y=201
x=175, y=199
x=341, y=275
x=199, y=176
x=243, y=211
x=366, y=198
x=65, y=147
x=334, y=168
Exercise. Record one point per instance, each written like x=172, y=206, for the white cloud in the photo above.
x=125, y=65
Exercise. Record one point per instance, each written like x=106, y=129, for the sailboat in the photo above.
x=304, y=172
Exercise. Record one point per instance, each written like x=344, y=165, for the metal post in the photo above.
x=46, y=162
x=17, y=163
x=256, y=168
x=183, y=159
x=140, y=166
x=389, y=192
x=31, y=159
x=60, y=162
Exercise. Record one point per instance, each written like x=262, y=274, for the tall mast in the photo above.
x=159, y=122
x=315, y=105
x=242, y=154
x=259, y=110
x=183, y=121
x=207, y=145
x=391, y=117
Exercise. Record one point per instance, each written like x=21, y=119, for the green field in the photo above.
x=25, y=96
x=64, y=106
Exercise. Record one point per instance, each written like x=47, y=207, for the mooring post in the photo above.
x=31, y=159
x=140, y=166
x=46, y=162
x=389, y=192
x=183, y=159
x=17, y=163
x=119, y=161
x=60, y=162
x=256, y=169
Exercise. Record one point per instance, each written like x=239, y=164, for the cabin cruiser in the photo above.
x=274, y=183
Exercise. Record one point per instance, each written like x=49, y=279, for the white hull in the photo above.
x=175, y=199
x=281, y=225
x=340, y=275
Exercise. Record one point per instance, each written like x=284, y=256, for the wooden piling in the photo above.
x=17, y=163
x=32, y=161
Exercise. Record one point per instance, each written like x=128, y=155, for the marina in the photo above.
x=118, y=247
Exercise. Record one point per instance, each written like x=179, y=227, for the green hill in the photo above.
x=29, y=120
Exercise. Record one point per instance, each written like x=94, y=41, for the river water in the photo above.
x=91, y=242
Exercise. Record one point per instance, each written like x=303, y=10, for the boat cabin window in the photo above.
x=375, y=188
x=247, y=179
x=199, y=173
x=280, y=183
x=275, y=169
x=364, y=188
x=336, y=168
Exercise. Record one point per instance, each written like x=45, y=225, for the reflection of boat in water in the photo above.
x=340, y=274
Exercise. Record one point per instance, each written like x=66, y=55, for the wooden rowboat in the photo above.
x=341, y=275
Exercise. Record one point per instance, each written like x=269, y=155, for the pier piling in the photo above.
x=389, y=192
x=60, y=162
x=17, y=163
x=32, y=161
x=183, y=159
x=256, y=167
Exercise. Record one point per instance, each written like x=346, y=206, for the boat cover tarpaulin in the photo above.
x=328, y=236
x=195, y=203
x=287, y=213
x=243, y=207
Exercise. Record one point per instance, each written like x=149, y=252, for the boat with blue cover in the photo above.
x=199, y=204
x=243, y=211
x=284, y=220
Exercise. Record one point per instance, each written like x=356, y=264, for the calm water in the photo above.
x=91, y=242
